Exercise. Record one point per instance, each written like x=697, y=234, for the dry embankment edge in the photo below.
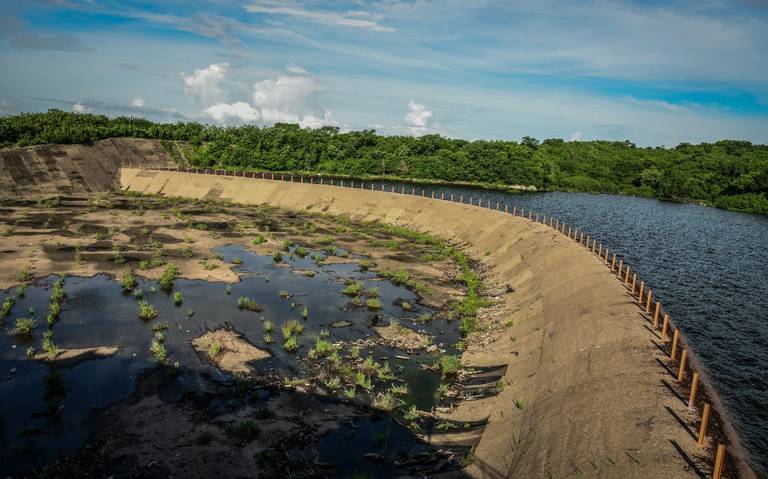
x=583, y=393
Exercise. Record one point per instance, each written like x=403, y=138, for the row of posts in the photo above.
x=643, y=295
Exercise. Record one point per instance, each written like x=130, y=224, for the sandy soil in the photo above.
x=583, y=395
x=70, y=357
x=233, y=353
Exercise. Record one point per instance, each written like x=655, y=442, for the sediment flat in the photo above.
x=583, y=393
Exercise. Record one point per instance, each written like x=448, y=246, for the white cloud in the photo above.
x=203, y=85
x=350, y=19
x=299, y=70
x=238, y=111
x=80, y=108
x=417, y=118
x=137, y=103
x=283, y=99
x=417, y=115
x=576, y=136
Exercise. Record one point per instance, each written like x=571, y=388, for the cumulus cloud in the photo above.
x=137, y=103
x=238, y=111
x=296, y=69
x=80, y=108
x=203, y=84
x=417, y=115
x=283, y=99
x=417, y=119
x=576, y=136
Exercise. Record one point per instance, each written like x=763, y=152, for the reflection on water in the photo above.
x=44, y=407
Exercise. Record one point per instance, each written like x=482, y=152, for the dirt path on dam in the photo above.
x=584, y=389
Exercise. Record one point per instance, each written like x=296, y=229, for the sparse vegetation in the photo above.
x=147, y=312
x=246, y=303
x=24, y=327
x=168, y=277
x=128, y=280
x=178, y=298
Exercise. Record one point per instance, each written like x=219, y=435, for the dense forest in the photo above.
x=727, y=174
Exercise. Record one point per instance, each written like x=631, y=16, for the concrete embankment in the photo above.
x=584, y=391
x=74, y=169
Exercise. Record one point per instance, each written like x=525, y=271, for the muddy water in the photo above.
x=45, y=408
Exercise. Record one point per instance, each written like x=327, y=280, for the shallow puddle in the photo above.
x=46, y=407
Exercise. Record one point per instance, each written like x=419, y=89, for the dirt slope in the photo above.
x=74, y=169
x=583, y=394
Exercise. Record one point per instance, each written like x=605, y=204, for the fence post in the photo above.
x=626, y=277
x=514, y=210
x=613, y=263
x=634, y=283
x=703, y=427
x=717, y=472
x=569, y=231
x=530, y=215
x=681, y=370
x=621, y=267
x=593, y=245
x=656, y=316
x=537, y=216
x=675, y=340
x=664, y=327
x=640, y=294
x=694, y=389
x=581, y=238
x=648, y=303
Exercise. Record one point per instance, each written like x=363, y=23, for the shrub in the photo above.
x=305, y=313
x=48, y=345
x=178, y=298
x=128, y=280
x=158, y=350
x=24, y=327
x=449, y=365
x=354, y=288
x=291, y=344
x=373, y=303
x=168, y=277
x=147, y=312
x=246, y=303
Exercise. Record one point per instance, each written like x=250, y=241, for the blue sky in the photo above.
x=656, y=73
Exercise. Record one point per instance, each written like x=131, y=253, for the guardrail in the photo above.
x=715, y=431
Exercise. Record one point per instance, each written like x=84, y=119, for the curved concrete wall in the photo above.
x=584, y=392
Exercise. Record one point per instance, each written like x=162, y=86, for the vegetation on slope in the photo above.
x=728, y=174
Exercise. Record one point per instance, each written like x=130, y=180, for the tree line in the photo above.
x=728, y=174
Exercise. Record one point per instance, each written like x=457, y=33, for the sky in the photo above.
x=653, y=72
